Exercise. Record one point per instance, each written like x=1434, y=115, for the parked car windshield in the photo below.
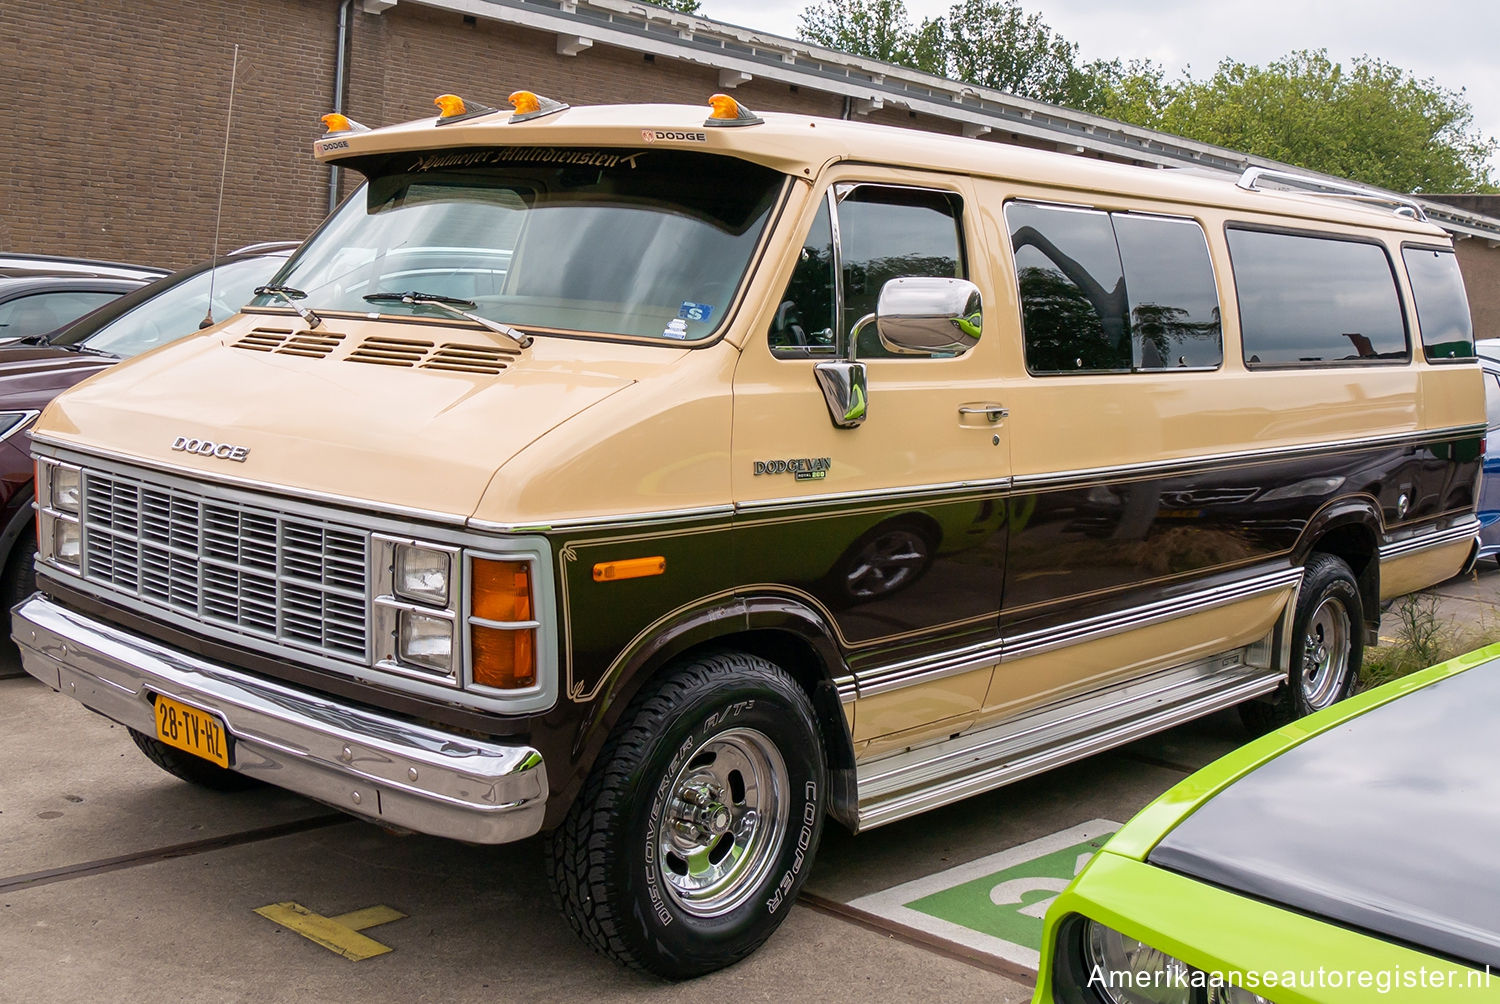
x=650, y=244
x=177, y=310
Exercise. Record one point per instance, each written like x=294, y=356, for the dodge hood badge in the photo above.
x=209, y=448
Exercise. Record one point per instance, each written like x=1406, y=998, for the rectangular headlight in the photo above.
x=422, y=574
x=424, y=640
x=67, y=541
x=67, y=489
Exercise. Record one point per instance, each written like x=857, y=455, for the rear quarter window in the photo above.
x=1442, y=304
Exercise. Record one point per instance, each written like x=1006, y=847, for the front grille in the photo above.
x=289, y=579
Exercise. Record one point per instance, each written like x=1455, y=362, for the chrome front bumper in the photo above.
x=375, y=766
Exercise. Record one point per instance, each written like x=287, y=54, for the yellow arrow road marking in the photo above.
x=370, y=916
x=337, y=934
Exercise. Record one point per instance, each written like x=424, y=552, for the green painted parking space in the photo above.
x=995, y=904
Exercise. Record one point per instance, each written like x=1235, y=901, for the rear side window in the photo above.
x=1315, y=301
x=1492, y=399
x=1174, y=304
x=1113, y=292
x=1442, y=305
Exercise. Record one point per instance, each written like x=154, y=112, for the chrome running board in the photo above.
x=897, y=785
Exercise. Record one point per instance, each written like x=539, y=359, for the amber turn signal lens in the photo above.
x=525, y=102
x=504, y=659
x=635, y=568
x=334, y=122
x=451, y=104
x=501, y=591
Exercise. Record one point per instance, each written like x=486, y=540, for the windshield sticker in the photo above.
x=528, y=154
x=676, y=328
x=690, y=311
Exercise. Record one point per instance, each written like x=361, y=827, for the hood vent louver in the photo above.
x=382, y=350
x=390, y=351
x=470, y=358
x=451, y=357
x=286, y=341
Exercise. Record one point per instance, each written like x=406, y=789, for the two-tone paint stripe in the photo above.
x=926, y=670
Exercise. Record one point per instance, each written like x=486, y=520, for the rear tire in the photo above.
x=699, y=821
x=1328, y=646
x=192, y=769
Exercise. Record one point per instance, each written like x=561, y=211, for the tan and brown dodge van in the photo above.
x=669, y=479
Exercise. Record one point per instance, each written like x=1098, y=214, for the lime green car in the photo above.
x=1349, y=856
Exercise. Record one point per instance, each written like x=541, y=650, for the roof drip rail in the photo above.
x=1399, y=204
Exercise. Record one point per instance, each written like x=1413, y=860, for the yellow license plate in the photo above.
x=189, y=729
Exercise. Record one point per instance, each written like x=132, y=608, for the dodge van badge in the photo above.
x=209, y=448
x=804, y=468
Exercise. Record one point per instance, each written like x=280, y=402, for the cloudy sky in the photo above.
x=1454, y=42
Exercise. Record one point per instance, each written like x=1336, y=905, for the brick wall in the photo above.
x=115, y=114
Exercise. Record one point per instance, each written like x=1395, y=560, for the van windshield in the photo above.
x=651, y=243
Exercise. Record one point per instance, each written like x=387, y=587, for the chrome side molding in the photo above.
x=902, y=784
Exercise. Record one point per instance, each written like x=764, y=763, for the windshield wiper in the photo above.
x=454, y=306
x=82, y=347
x=291, y=296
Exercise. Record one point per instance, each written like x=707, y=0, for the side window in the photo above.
x=884, y=232
x=1492, y=399
x=1113, y=292
x=1442, y=305
x=42, y=312
x=1174, y=304
x=1308, y=300
x=1072, y=289
x=804, y=324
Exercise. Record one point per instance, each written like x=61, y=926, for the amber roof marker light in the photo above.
x=529, y=105
x=729, y=112
x=456, y=109
x=337, y=124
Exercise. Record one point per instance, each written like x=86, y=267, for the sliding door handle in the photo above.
x=994, y=412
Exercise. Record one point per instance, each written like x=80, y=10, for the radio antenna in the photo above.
x=213, y=261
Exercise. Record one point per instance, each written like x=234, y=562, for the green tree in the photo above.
x=1372, y=121
x=685, y=6
x=993, y=43
x=876, y=29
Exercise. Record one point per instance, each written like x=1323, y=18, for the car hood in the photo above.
x=32, y=376
x=1386, y=822
x=353, y=414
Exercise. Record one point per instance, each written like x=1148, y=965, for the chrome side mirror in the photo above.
x=845, y=389
x=922, y=315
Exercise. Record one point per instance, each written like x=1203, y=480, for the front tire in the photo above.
x=699, y=822
x=1328, y=647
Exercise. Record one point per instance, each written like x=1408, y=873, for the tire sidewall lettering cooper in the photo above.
x=793, y=856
